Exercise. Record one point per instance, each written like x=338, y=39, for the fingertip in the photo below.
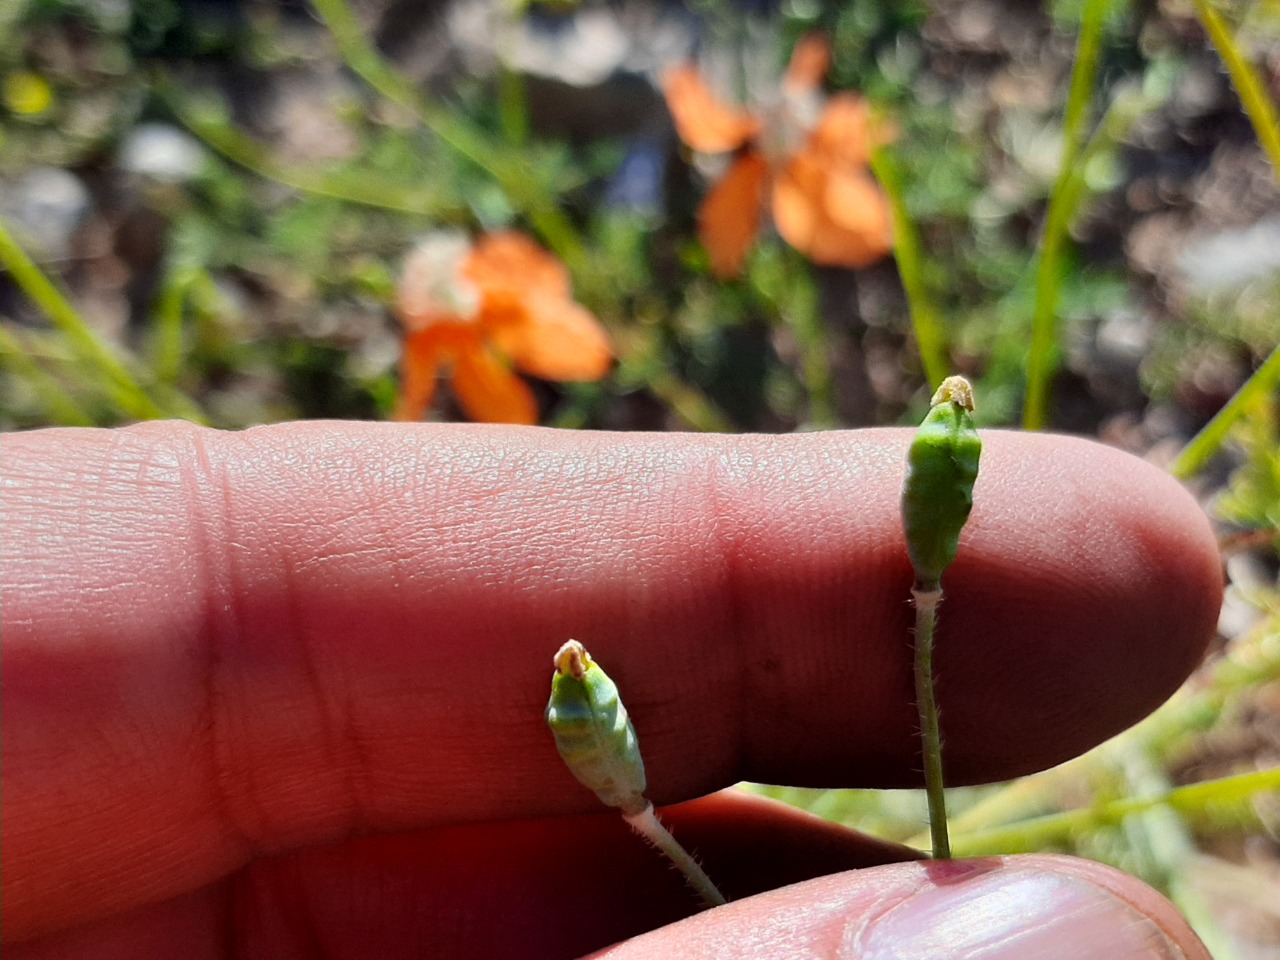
x=1086, y=590
x=1049, y=907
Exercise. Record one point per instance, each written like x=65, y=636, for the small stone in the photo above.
x=162, y=152
x=1229, y=259
x=46, y=205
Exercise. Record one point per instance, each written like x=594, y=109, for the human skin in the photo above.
x=280, y=692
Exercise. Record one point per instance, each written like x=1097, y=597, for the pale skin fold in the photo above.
x=280, y=692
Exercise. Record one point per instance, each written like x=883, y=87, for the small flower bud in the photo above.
x=942, y=465
x=593, y=732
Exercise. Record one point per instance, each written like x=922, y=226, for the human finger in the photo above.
x=555, y=888
x=217, y=645
x=998, y=908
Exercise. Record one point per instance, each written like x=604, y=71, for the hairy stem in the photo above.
x=927, y=596
x=647, y=824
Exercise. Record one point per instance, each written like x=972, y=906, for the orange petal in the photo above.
x=511, y=261
x=730, y=215
x=702, y=120
x=489, y=392
x=854, y=201
x=559, y=340
x=809, y=63
x=797, y=193
x=843, y=134
x=419, y=368
x=839, y=218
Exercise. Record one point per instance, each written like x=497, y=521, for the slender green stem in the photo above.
x=124, y=389
x=689, y=404
x=927, y=596
x=513, y=106
x=166, y=338
x=1040, y=361
x=1126, y=106
x=61, y=407
x=1206, y=443
x=1265, y=118
x=1249, y=85
x=647, y=824
x=931, y=339
x=1039, y=832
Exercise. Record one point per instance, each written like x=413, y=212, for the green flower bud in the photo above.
x=593, y=733
x=942, y=466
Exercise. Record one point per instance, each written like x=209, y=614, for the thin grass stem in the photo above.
x=1265, y=118
x=1205, y=444
x=60, y=406
x=124, y=390
x=166, y=336
x=643, y=367
x=1041, y=358
x=926, y=323
x=927, y=597
x=1249, y=85
x=647, y=824
x=1038, y=832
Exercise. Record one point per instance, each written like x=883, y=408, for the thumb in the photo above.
x=1044, y=906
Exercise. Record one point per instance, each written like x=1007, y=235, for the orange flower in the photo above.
x=482, y=309
x=810, y=160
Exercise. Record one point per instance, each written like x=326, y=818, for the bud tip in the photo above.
x=955, y=390
x=573, y=659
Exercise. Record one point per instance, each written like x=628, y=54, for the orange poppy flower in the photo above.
x=480, y=310
x=809, y=161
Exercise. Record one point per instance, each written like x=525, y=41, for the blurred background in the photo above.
x=244, y=211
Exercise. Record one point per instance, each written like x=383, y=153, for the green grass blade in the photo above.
x=1040, y=361
x=926, y=322
x=60, y=406
x=1263, y=115
x=124, y=390
x=1040, y=832
x=1206, y=443
x=1249, y=85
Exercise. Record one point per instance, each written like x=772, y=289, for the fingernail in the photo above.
x=1009, y=914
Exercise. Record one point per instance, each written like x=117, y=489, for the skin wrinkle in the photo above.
x=761, y=657
x=202, y=478
x=718, y=491
x=340, y=756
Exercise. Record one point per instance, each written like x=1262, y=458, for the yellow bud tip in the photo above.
x=573, y=659
x=954, y=390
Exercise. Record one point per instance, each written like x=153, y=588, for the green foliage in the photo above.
x=270, y=295
x=1252, y=497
